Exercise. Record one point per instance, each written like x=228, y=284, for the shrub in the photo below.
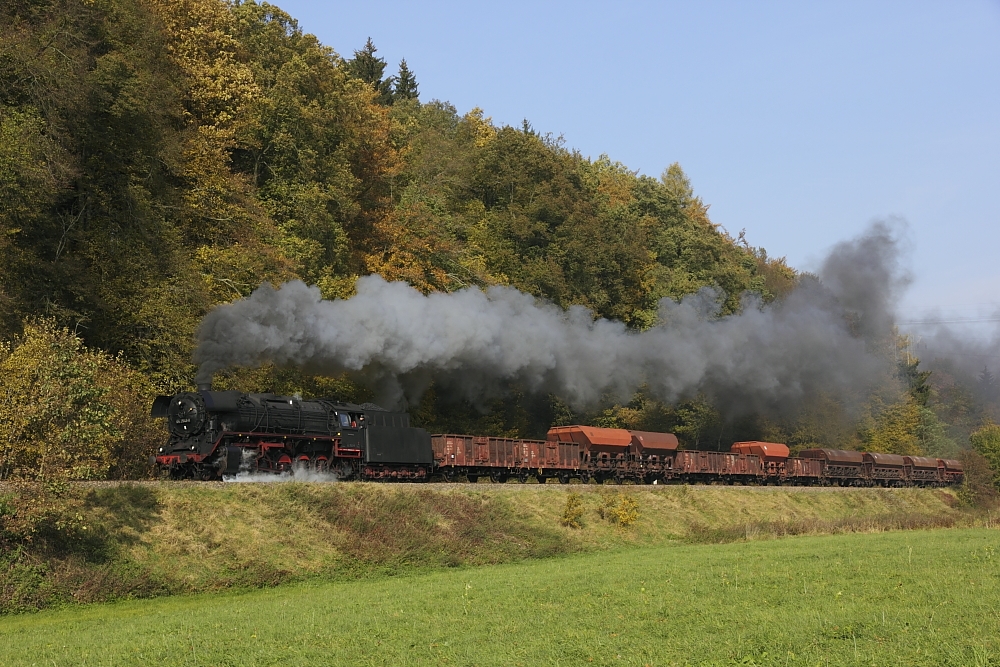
x=572, y=516
x=978, y=488
x=620, y=509
x=986, y=441
x=70, y=412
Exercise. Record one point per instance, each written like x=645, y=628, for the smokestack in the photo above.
x=205, y=386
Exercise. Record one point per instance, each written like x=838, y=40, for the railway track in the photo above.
x=527, y=487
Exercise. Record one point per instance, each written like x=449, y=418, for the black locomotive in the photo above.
x=222, y=433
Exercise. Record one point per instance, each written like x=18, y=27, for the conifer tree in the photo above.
x=368, y=67
x=988, y=384
x=406, y=84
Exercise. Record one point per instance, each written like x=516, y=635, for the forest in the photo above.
x=160, y=158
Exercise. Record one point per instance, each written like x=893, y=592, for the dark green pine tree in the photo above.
x=368, y=67
x=406, y=84
x=988, y=385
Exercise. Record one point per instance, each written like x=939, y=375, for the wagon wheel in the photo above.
x=499, y=478
x=522, y=478
x=472, y=478
x=564, y=478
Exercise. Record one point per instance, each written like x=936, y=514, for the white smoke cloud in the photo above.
x=397, y=339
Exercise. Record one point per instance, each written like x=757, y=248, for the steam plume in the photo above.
x=397, y=339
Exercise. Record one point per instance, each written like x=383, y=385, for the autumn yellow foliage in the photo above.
x=69, y=412
x=894, y=429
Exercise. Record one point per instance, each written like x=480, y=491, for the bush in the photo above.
x=978, y=489
x=70, y=412
x=620, y=508
x=572, y=516
x=986, y=441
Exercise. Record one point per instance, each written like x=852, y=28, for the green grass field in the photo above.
x=128, y=541
x=893, y=598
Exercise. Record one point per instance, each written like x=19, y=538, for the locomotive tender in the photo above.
x=216, y=434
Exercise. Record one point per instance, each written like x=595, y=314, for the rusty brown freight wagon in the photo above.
x=604, y=451
x=652, y=455
x=840, y=466
x=508, y=457
x=952, y=471
x=698, y=466
x=455, y=454
x=503, y=458
x=804, y=471
x=548, y=458
x=773, y=456
x=885, y=469
x=924, y=470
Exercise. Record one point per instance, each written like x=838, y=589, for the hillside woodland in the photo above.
x=160, y=157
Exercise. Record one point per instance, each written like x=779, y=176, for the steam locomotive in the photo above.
x=215, y=434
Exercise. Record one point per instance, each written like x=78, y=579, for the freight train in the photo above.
x=216, y=434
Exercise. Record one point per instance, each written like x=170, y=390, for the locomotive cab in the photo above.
x=350, y=429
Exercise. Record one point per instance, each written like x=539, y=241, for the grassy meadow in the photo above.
x=929, y=597
x=142, y=541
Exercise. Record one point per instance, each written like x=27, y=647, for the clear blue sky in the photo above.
x=797, y=121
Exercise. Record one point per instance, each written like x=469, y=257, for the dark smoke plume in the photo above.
x=397, y=339
x=967, y=360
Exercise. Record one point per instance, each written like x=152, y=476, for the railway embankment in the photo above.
x=80, y=543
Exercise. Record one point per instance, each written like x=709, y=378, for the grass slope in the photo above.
x=913, y=598
x=157, y=539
